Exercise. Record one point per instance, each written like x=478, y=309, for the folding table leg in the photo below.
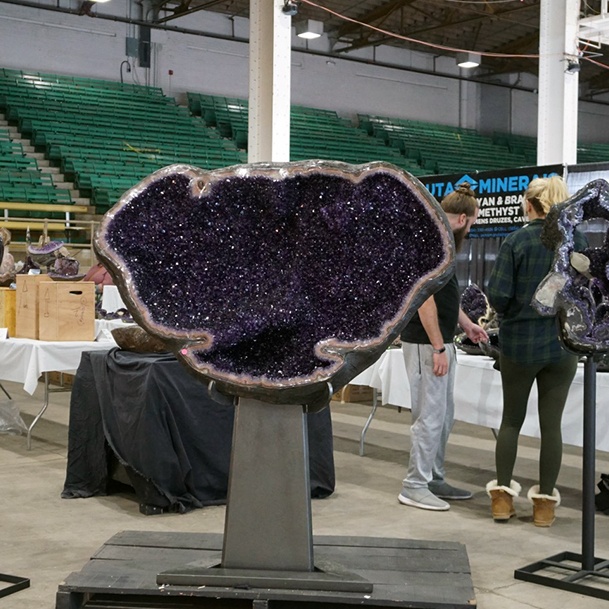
x=45, y=404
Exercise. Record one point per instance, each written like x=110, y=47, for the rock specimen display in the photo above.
x=577, y=287
x=45, y=254
x=279, y=282
x=7, y=262
x=476, y=306
x=65, y=269
x=136, y=339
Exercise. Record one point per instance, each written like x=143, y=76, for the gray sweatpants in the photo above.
x=433, y=409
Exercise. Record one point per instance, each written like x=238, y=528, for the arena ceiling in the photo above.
x=509, y=28
x=504, y=32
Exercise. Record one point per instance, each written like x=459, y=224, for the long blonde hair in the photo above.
x=542, y=193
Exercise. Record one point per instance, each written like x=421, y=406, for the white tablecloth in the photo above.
x=104, y=327
x=478, y=398
x=111, y=299
x=23, y=360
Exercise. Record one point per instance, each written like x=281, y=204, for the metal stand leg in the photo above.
x=268, y=540
x=584, y=565
x=45, y=405
x=271, y=529
x=6, y=393
x=362, y=435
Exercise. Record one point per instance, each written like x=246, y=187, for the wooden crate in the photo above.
x=26, y=323
x=66, y=310
x=60, y=379
x=8, y=309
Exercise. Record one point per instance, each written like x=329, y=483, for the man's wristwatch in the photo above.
x=439, y=350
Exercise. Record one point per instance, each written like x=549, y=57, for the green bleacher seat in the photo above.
x=314, y=133
x=107, y=136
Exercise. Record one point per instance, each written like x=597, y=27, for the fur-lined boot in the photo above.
x=543, y=506
x=502, y=499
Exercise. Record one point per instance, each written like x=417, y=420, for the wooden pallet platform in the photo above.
x=405, y=573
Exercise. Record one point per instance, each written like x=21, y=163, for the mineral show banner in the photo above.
x=500, y=195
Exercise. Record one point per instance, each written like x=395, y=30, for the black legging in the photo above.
x=553, y=382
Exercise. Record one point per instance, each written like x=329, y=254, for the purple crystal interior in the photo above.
x=277, y=277
x=66, y=266
x=577, y=287
x=46, y=248
x=475, y=304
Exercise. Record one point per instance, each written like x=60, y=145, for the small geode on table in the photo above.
x=46, y=253
x=275, y=280
x=65, y=269
x=577, y=287
x=476, y=306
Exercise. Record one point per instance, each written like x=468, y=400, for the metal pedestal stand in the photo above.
x=268, y=540
x=583, y=569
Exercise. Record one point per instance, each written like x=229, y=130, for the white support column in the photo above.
x=269, y=87
x=558, y=89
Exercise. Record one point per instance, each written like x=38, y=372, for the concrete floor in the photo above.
x=45, y=537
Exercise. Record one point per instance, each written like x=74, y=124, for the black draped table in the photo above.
x=148, y=412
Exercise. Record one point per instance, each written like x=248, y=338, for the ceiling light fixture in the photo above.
x=290, y=7
x=309, y=29
x=468, y=60
x=573, y=66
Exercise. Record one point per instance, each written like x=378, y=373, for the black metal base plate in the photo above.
x=17, y=583
x=591, y=582
x=325, y=576
x=402, y=573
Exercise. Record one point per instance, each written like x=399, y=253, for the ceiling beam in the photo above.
x=379, y=13
x=183, y=8
x=505, y=15
x=525, y=45
x=447, y=21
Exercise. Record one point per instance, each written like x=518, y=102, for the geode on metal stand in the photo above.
x=275, y=280
x=275, y=283
x=576, y=289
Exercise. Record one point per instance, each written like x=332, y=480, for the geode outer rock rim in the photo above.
x=274, y=280
x=579, y=301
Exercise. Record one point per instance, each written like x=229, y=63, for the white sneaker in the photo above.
x=422, y=498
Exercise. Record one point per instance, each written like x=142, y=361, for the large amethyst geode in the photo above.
x=277, y=280
x=577, y=287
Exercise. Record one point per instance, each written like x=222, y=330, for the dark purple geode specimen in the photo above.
x=276, y=280
x=577, y=287
x=65, y=269
x=476, y=306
